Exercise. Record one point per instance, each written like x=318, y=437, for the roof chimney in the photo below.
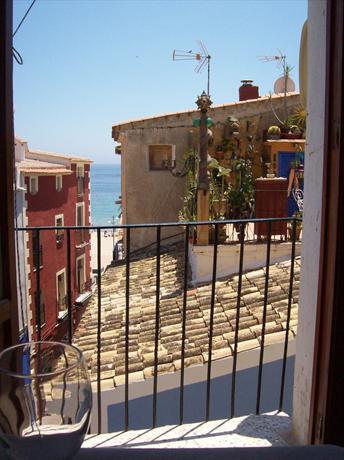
x=247, y=91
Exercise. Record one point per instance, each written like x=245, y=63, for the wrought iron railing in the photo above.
x=188, y=228
x=80, y=237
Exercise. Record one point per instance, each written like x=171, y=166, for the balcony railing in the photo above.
x=157, y=250
x=80, y=236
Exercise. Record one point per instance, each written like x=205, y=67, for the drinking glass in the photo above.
x=45, y=401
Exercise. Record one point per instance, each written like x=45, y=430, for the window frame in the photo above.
x=33, y=178
x=161, y=168
x=59, y=273
x=58, y=178
x=81, y=257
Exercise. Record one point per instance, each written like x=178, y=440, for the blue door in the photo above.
x=285, y=162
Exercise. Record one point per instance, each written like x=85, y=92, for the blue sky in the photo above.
x=91, y=63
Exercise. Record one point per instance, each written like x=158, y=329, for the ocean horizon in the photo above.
x=105, y=190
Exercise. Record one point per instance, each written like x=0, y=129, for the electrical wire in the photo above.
x=23, y=19
x=17, y=56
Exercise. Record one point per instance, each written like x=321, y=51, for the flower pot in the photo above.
x=273, y=137
x=290, y=136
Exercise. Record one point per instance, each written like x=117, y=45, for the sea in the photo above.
x=105, y=190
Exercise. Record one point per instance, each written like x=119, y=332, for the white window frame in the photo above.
x=57, y=217
x=80, y=167
x=82, y=257
x=59, y=182
x=173, y=159
x=81, y=204
x=61, y=313
x=33, y=191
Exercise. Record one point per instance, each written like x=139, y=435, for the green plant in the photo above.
x=274, y=130
x=298, y=224
x=299, y=117
x=241, y=195
x=188, y=213
x=298, y=215
x=294, y=129
x=218, y=188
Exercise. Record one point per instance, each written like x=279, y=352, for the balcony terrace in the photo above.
x=163, y=350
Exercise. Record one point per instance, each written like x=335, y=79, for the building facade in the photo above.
x=52, y=190
x=151, y=147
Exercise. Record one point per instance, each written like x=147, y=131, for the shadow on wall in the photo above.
x=140, y=409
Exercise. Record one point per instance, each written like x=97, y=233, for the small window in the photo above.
x=80, y=171
x=33, y=185
x=160, y=157
x=80, y=222
x=61, y=292
x=59, y=183
x=59, y=232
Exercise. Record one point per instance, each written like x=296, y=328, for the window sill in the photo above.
x=40, y=267
x=79, y=301
x=62, y=315
x=82, y=245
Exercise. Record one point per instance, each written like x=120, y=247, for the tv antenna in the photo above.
x=280, y=59
x=284, y=83
x=202, y=56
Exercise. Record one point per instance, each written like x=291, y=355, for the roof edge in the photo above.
x=116, y=128
x=71, y=158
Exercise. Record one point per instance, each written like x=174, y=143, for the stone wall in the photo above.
x=156, y=196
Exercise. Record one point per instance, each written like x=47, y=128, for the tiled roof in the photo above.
x=41, y=167
x=194, y=110
x=142, y=317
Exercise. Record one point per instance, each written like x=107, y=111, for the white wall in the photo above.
x=311, y=218
x=21, y=240
x=195, y=375
x=201, y=258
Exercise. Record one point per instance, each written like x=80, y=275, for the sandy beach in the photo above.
x=107, y=243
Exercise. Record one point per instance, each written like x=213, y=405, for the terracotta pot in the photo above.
x=290, y=136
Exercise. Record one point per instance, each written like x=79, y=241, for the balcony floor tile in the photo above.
x=269, y=429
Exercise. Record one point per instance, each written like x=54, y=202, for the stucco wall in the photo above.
x=201, y=258
x=311, y=217
x=156, y=196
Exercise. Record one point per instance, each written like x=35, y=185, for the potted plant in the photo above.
x=218, y=194
x=298, y=223
x=241, y=195
x=299, y=118
x=274, y=132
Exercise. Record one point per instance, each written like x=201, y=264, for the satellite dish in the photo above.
x=279, y=85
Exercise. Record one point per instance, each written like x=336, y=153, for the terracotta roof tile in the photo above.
x=142, y=317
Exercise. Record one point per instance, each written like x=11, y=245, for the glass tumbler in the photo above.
x=45, y=401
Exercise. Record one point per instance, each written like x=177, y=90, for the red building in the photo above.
x=57, y=193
